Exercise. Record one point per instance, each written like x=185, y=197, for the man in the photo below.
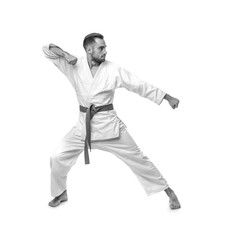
x=95, y=80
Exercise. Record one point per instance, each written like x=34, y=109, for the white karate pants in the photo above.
x=123, y=147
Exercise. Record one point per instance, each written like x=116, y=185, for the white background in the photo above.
x=179, y=46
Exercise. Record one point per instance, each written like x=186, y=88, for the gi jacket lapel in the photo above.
x=93, y=81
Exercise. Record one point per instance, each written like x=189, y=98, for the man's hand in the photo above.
x=173, y=102
x=72, y=60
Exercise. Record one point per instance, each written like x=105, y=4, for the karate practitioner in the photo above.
x=95, y=80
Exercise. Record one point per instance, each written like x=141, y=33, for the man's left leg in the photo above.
x=148, y=175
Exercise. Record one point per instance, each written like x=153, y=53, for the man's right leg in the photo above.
x=61, y=162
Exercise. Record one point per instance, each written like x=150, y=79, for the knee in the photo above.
x=54, y=160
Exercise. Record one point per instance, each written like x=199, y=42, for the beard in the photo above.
x=98, y=60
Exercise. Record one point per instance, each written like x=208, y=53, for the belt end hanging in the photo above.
x=86, y=154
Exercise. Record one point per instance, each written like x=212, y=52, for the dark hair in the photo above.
x=90, y=38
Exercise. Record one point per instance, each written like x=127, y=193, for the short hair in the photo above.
x=90, y=38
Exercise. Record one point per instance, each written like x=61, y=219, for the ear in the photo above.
x=89, y=50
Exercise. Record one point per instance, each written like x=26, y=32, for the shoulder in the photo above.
x=111, y=66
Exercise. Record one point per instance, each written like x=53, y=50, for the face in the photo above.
x=98, y=51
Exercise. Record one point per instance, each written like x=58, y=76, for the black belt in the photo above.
x=90, y=112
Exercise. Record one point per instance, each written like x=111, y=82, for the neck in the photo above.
x=92, y=63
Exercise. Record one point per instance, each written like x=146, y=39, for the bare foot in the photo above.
x=59, y=199
x=173, y=200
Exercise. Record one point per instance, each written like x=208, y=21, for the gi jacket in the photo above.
x=99, y=90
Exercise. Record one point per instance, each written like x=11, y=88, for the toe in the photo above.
x=54, y=203
x=51, y=204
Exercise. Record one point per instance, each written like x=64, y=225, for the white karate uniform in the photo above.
x=108, y=132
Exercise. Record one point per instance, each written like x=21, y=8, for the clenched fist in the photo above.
x=72, y=60
x=173, y=102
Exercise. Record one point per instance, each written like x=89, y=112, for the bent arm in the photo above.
x=52, y=51
x=64, y=61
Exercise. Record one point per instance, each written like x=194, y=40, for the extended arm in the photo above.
x=144, y=89
x=134, y=84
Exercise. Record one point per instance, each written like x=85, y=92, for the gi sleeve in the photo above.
x=132, y=83
x=59, y=62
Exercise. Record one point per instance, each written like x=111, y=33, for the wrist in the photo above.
x=167, y=97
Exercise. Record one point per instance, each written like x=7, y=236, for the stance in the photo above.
x=95, y=80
